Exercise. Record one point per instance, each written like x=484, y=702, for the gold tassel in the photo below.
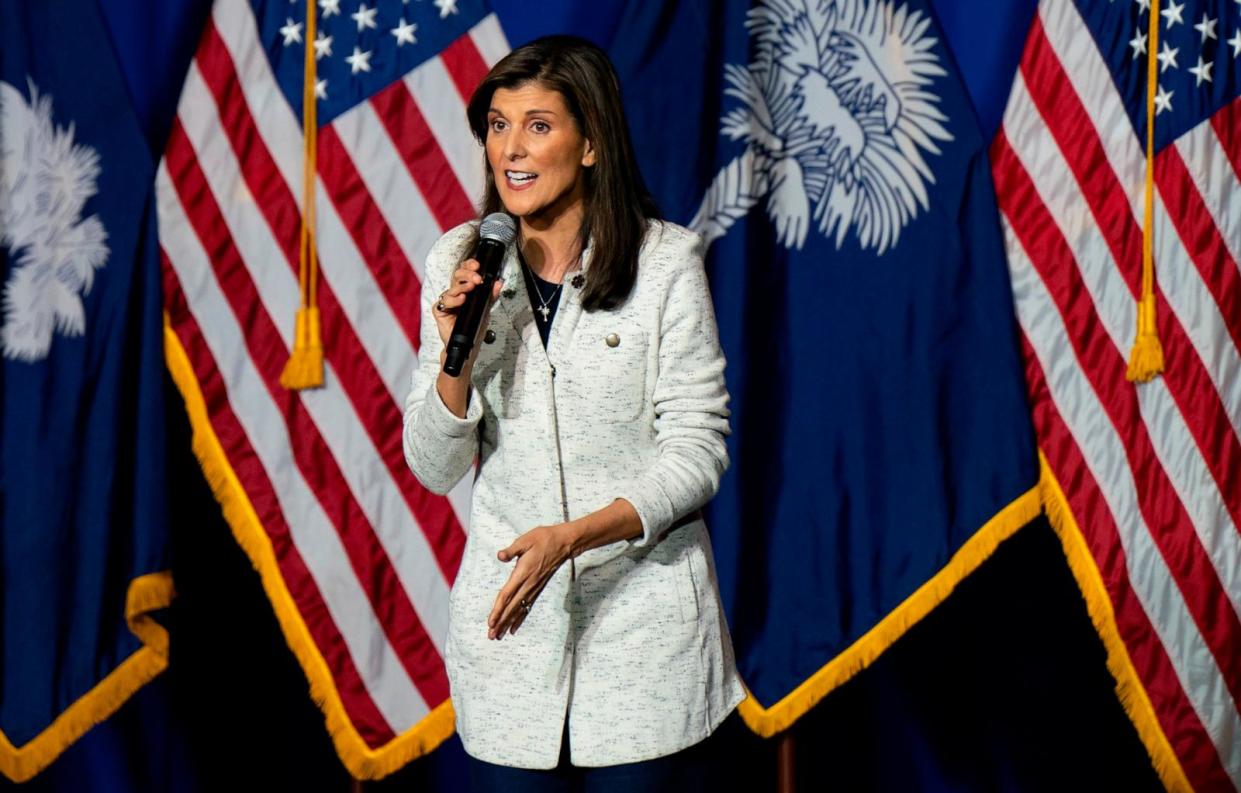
x=1146, y=357
x=305, y=366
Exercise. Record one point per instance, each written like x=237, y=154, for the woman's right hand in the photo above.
x=455, y=391
x=464, y=280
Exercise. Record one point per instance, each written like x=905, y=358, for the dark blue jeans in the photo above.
x=682, y=772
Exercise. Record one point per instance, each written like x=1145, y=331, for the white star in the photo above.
x=446, y=7
x=1235, y=41
x=330, y=7
x=365, y=17
x=1138, y=42
x=1206, y=27
x=1172, y=14
x=1143, y=5
x=1202, y=72
x=1167, y=57
x=405, y=33
x=323, y=45
x=359, y=61
x=292, y=32
x=1163, y=100
x=321, y=89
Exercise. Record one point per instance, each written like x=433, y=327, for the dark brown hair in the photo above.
x=617, y=203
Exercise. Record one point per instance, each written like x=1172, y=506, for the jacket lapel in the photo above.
x=515, y=302
x=569, y=311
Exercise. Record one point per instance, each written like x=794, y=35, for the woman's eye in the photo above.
x=497, y=125
x=540, y=126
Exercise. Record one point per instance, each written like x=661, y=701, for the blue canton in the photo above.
x=1198, y=53
x=361, y=45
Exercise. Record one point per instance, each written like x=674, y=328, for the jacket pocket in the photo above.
x=687, y=587
x=609, y=377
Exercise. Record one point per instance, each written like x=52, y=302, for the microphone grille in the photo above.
x=499, y=227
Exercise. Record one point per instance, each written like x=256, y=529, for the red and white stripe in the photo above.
x=367, y=555
x=1152, y=472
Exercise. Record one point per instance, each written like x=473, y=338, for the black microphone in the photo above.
x=494, y=236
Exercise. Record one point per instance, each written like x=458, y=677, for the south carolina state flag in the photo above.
x=82, y=499
x=881, y=442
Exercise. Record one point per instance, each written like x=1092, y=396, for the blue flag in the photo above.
x=828, y=153
x=81, y=477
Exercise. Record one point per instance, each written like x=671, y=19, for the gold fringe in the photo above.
x=361, y=760
x=1047, y=495
x=304, y=368
x=1129, y=687
x=780, y=716
x=146, y=593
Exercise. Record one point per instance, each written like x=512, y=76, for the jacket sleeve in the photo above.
x=439, y=446
x=691, y=402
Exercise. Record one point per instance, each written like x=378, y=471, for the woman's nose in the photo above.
x=514, y=146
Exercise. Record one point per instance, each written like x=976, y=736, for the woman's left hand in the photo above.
x=539, y=554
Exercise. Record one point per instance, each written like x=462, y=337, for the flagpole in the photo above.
x=786, y=765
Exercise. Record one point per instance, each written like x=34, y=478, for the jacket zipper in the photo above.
x=564, y=497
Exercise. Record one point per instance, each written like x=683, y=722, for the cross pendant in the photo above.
x=544, y=310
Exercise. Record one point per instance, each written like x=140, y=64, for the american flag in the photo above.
x=356, y=557
x=1149, y=475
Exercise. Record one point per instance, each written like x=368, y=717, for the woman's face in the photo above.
x=536, y=152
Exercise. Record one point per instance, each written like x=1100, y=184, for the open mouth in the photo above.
x=520, y=179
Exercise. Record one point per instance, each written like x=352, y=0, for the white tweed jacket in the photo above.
x=628, y=641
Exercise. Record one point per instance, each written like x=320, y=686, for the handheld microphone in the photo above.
x=494, y=236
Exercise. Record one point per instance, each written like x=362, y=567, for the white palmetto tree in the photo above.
x=45, y=180
x=836, y=115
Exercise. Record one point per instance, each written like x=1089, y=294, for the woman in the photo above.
x=585, y=624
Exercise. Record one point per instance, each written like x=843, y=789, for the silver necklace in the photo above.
x=544, y=303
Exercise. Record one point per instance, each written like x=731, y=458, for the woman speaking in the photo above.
x=587, y=649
